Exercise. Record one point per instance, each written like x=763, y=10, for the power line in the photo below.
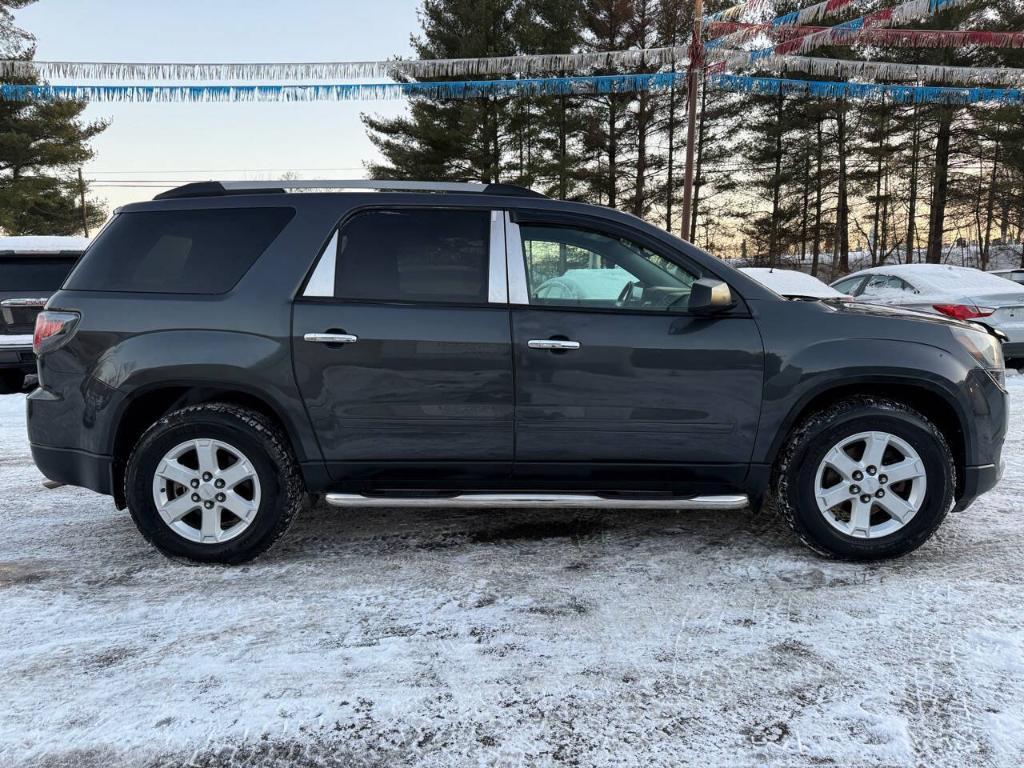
x=234, y=170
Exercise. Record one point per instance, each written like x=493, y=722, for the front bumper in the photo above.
x=978, y=480
x=1013, y=350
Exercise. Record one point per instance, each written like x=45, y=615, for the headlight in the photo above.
x=986, y=349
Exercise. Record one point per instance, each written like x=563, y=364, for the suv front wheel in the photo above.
x=867, y=478
x=213, y=483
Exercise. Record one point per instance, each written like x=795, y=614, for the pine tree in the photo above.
x=443, y=139
x=43, y=145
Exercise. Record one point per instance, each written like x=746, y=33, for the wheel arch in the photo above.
x=933, y=402
x=146, y=406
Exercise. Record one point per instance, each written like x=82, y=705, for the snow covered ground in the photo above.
x=451, y=638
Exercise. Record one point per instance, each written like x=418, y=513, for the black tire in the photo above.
x=795, y=474
x=11, y=382
x=283, y=492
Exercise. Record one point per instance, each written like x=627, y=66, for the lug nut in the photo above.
x=865, y=498
x=858, y=475
x=208, y=504
x=879, y=493
x=872, y=470
x=883, y=479
x=854, y=489
x=207, y=477
x=218, y=483
x=195, y=497
x=195, y=482
x=221, y=497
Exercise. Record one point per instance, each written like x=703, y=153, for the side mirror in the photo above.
x=709, y=296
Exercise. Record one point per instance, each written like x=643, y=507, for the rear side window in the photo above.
x=436, y=256
x=200, y=251
x=34, y=273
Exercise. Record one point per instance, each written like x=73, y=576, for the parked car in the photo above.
x=794, y=284
x=1015, y=275
x=31, y=269
x=958, y=292
x=228, y=349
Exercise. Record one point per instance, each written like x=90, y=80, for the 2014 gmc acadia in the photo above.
x=224, y=352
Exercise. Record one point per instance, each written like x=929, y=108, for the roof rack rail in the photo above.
x=215, y=188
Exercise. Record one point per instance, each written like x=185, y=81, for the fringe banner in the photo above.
x=903, y=94
x=884, y=70
x=883, y=36
x=913, y=10
x=456, y=89
x=647, y=58
x=497, y=88
x=735, y=11
x=803, y=16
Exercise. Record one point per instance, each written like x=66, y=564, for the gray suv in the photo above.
x=229, y=350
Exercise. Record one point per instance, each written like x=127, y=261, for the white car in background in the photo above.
x=1013, y=275
x=959, y=292
x=794, y=284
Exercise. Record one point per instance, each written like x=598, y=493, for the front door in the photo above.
x=615, y=380
x=402, y=350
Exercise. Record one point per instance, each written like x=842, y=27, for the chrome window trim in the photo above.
x=497, y=274
x=321, y=283
x=518, y=288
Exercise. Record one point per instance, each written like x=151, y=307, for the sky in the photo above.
x=224, y=141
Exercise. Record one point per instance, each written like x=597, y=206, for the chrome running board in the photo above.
x=537, y=501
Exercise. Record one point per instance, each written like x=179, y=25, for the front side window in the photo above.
x=435, y=256
x=570, y=267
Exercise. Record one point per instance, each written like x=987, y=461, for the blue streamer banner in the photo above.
x=472, y=89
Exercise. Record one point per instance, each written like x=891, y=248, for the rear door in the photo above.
x=402, y=349
x=616, y=382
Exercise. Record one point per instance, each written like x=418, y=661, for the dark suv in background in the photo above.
x=31, y=269
x=228, y=349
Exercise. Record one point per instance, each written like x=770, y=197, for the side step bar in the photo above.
x=537, y=501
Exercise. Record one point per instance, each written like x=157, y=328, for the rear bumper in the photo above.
x=72, y=467
x=16, y=353
x=978, y=480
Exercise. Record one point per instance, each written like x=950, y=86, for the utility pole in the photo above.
x=693, y=77
x=81, y=192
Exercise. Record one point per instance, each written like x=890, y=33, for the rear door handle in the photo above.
x=558, y=344
x=331, y=338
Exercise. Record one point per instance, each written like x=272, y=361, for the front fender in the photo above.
x=792, y=383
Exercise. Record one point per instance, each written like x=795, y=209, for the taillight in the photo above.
x=963, y=311
x=53, y=329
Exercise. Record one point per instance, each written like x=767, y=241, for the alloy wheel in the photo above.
x=870, y=484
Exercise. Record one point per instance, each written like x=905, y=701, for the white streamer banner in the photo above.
x=646, y=58
x=884, y=70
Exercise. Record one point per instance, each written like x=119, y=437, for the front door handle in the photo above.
x=331, y=338
x=556, y=344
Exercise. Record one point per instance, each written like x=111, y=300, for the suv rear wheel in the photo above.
x=866, y=478
x=213, y=483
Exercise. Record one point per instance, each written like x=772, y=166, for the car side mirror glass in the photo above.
x=708, y=296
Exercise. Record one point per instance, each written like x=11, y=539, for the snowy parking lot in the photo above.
x=450, y=638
